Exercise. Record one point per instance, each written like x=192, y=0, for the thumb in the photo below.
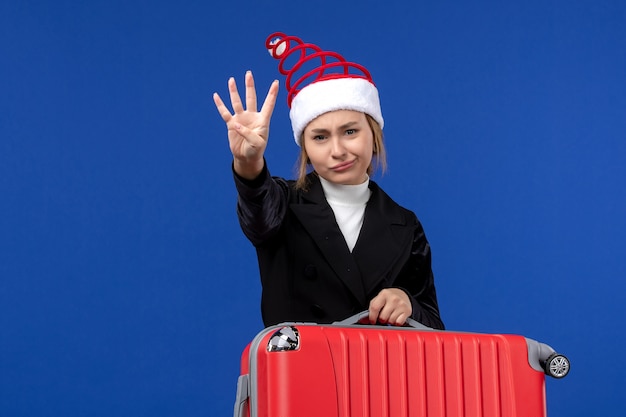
x=249, y=135
x=246, y=143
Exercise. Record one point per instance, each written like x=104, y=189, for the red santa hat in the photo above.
x=321, y=81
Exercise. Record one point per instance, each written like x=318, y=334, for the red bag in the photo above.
x=348, y=369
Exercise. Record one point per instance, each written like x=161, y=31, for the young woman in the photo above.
x=331, y=243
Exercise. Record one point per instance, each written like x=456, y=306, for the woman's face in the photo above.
x=340, y=146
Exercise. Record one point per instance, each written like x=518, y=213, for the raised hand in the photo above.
x=248, y=129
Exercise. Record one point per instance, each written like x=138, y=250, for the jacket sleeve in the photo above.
x=417, y=280
x=261, y=205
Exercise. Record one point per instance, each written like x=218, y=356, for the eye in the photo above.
x=350, y=132
x=318, y=138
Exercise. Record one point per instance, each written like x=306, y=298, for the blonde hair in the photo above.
x=379, y=158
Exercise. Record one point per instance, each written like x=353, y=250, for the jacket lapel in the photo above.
x=318, y=219
x=383, y=240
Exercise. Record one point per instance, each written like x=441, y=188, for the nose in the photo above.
x=337, y=148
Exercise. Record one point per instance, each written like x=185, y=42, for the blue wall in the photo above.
x=126, y=286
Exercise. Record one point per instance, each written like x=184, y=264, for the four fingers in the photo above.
x=251, y=99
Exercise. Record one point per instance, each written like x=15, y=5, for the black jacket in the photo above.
x=307, y=271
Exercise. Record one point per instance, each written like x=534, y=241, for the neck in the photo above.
x=346, y=194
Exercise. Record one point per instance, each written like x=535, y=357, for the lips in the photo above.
x=343, y=166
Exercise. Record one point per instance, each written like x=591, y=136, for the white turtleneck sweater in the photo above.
x=348, y=203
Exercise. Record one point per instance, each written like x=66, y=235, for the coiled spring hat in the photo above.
x=320, y=81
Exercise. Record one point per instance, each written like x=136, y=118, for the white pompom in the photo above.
x=278, y=50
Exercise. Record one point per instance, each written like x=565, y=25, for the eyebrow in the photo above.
x=342, y=127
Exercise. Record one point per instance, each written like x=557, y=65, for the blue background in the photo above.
x=126, y=285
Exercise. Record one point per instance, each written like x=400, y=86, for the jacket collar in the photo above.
x=381, y=241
